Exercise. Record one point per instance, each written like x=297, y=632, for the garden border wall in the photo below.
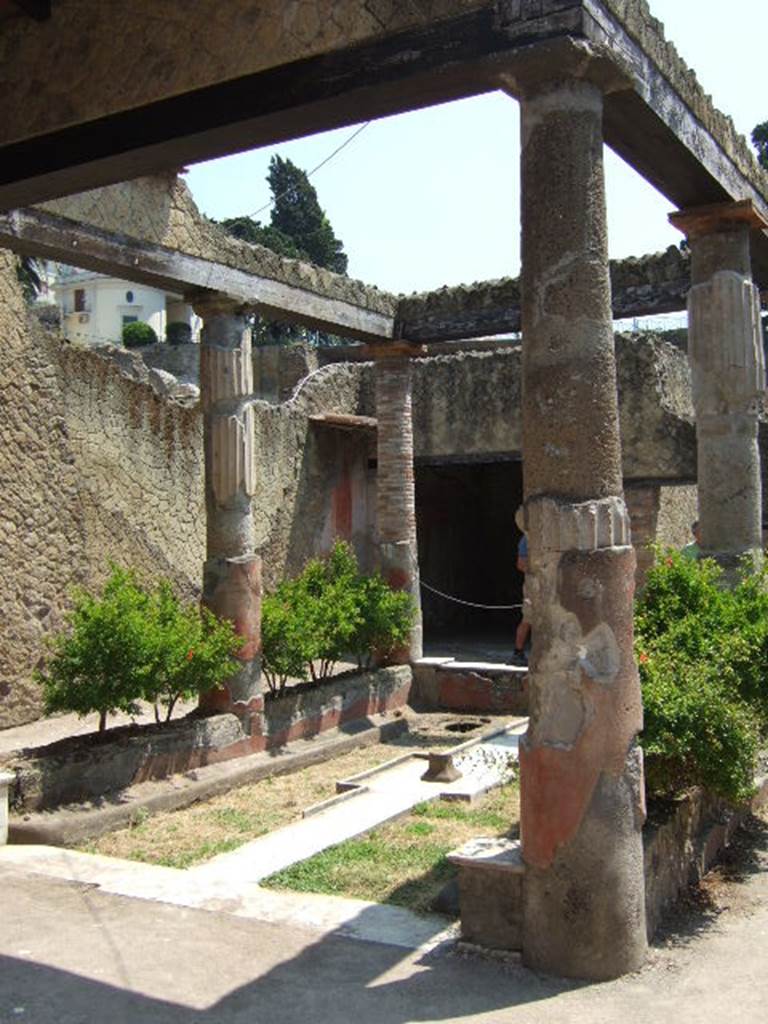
x=80, y=769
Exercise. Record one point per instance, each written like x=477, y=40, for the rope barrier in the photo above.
x=471, y=604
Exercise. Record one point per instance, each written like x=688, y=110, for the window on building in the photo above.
x=129, y=320
x=129, y=297
x=79, y=300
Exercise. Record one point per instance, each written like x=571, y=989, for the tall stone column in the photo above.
x=232, y=572
x=725, y=352
x=395, y=490
x=582, y=797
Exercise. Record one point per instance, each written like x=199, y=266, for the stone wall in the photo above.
x=96, y=466
x=90, y=50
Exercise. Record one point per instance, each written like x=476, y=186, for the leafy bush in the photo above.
x=696, y=732
x=130, y=643
x=98, y=662
x=178, y=333
x=191, y=650
x=330, y=610
x=702, y=649
x=137, y=334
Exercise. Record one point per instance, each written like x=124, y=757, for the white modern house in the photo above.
x=95, y=308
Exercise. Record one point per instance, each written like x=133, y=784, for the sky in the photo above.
x=431, y=198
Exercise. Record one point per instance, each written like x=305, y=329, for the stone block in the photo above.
x=491, y=875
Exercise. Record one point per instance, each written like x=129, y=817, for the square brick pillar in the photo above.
x=582, y=796
x=395, y=489
x=232, y=571
x=725, y=352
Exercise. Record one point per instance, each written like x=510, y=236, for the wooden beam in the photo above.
x=478, y=319
x=35, y=233
x=431, y=63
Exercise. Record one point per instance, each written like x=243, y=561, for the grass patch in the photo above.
x=403, y=863
x=179, y=839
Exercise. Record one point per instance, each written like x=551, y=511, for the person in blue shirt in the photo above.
x=523, y=631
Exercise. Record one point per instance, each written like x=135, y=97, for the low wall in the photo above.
x=448, y=687
x=307, y=710
x=81, y=769
x=681, y=841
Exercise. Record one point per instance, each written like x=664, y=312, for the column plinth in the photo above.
x=395, y=489
x=582, y=797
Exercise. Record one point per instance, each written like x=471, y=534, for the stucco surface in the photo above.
x=161, y=210
x=93, y=467
x=648, y=31
x=85, y=56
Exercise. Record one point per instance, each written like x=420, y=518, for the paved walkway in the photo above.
x=76, y=953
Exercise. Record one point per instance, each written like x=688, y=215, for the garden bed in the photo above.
x=403, y=863
x=88, y=767
x=188, y=836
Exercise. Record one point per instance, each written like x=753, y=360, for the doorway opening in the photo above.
x=465, y=514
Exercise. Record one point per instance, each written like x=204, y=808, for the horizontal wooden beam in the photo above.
x=46, y=236
x=481, y=314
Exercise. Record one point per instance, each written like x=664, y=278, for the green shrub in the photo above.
x=702, y=649
x=330, y=610
x=385, y=620
x=130, y=643
x=191, y=650
x=137, y=334
x=697, y=732
x=178, y=333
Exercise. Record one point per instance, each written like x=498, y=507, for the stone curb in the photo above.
x=68, y=826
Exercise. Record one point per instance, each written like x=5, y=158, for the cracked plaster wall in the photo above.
x=89, y=50
x=160, y=210
x=93, y=467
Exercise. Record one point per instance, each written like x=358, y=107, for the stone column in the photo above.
x=232, y=572
x=582, y=797
x=395, y=491
x=725, y=352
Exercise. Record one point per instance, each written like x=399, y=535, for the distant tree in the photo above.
x=253, y=231
x=28, y=274
x=299, y=229
x=297, y=213
x=760, y=142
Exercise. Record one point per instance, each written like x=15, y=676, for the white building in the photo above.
x=95, y=308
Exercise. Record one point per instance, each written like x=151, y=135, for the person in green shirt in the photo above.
x=692, y=551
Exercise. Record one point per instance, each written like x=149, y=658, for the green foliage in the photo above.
x=98, y=662
x=760, y=142
x=328, y=611
x=253, y=231
x=138, y=333
x=697, y=732
x=130, y=643
x=703, y=654
x=178, y=332
x=299, y=229
x=297, y=214
x=28, y=276
x=384, y=621
x=191, y=650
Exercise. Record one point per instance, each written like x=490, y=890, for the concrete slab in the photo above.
x=72, y=954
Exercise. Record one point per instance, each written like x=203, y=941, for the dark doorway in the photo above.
x=465, y=513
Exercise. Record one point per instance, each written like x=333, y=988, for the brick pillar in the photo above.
x=643, y=508
x=395, y=493
x=725, y=351
x=232, y=571
x=582, y=796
